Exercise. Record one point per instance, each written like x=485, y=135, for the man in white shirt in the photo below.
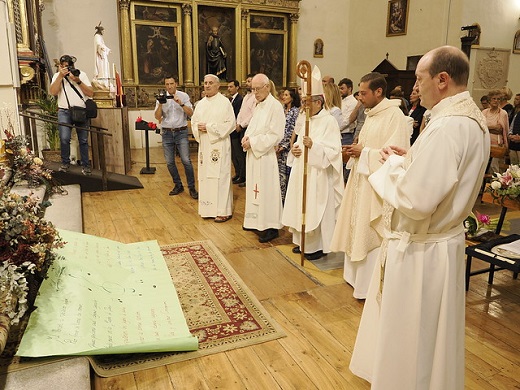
x=348, y=105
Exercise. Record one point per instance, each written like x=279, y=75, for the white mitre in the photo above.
x=316, y=83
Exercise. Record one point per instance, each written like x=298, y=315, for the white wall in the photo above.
x=330, y=23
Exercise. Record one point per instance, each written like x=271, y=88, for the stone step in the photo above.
x=65, y=209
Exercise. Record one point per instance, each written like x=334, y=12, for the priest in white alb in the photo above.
x=324, y=185
x=411, y=335
x=212, y=122
x=359, y=229
x=263, y=211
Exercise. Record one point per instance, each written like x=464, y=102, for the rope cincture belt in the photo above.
x=175, y=129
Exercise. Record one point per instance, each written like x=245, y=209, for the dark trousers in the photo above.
x=238, y=156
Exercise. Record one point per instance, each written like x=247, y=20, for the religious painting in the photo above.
x=156, y=42
x=160, y=14
x=267, y=47
x=516, y=43
x=216, y=27
x=397, y=19
x=157, y=53
x=318, y=48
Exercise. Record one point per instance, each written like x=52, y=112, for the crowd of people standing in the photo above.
x=371, y=193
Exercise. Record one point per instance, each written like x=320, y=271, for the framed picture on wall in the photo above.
x=318, y=48
x=516, y=43
x=156, y=43
x=397, y=19
x=267, y=43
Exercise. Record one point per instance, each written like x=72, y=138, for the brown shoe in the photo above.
x=223, y=219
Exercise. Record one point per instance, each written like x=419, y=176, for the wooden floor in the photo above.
x=318, y=312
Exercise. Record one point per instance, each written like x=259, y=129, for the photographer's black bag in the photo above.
x=78, y=114
x=81, y=114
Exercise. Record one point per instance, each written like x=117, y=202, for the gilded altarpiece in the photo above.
x=161, y=38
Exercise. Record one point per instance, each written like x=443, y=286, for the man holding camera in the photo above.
x=72, y=87
x=172, y=110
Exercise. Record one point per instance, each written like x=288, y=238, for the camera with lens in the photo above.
x=75, y=72
x=161, y=97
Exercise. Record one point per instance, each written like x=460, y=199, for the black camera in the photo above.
x=75, y=72
x=161, y=97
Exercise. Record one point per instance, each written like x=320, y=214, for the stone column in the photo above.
x=291, y=76
x=187, y=53
x=126, y=43
x=243, y=44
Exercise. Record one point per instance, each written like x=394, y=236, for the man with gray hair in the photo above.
x=212, y=122
x=263, y=211
x=411, y=334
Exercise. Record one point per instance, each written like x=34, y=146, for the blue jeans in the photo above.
x=65, y=133
x=179, y=140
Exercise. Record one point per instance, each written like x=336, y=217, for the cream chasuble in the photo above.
x=263, y=195
x=411, y=335
x=358, y=231
x=214, y=165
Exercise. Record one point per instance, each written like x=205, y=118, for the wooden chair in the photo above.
x=483, y=252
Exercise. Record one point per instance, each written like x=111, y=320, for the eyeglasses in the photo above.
x=258, y=89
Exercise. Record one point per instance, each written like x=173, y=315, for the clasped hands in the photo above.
x=391, y=150
x=353, y=150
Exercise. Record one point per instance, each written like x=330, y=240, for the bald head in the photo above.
x=260, y=78
x=441, y=73
x=451, y=60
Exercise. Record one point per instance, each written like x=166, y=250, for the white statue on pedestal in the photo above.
x=102, y=70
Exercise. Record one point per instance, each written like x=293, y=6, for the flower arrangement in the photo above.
x=141, y=124
x=505, y=185
x=477, y=224
x=27, y=244
x=25, y=165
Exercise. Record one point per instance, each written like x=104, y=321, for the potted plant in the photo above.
x=49, y=106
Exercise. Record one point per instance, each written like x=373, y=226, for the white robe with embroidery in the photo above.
x=263, y=196
x=214, y=169
x=324, y=185
x=413, y=339
x=358, y=232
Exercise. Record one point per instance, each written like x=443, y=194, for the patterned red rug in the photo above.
x=219, y=308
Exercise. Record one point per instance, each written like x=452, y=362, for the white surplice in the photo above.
x=359, y=231
x=411, y=335
x=324, y=185
x=263, y=196
x=214, y=169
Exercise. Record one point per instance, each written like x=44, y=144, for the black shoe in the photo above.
x=234, y=178
x=64, y=167
x=176, y=190
x=239, y=180
x=315, y=256
x=243, y=184
x=270, y=234
x=193, y=193
x=296, y=249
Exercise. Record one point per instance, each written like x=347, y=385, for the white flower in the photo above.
x=38, y=161
x=496, y=185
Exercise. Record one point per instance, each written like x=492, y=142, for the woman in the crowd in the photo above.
x=417, y=113
x=291, y=103
x=333, y=101
x=498, y=125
